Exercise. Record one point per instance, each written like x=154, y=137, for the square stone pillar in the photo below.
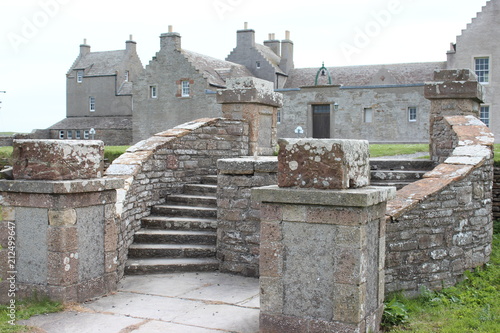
x=454, y=92
x=255, y=101
x=322, y=249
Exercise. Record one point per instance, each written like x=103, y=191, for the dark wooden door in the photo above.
x=321, y=121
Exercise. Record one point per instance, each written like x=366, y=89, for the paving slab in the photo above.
x=175, y=302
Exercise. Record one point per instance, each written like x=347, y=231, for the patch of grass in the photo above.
x=377, y=150
x=113, y=152
x=7, y=133
x=471, y=306
x=24, y=310
x=497, y=154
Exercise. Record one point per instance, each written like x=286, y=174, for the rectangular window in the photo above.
x=368, y=115
x=78, y=135
x=86, y=135
x=412, y=114
x=482, y=69
x=484, y=115
x=279, y=116
x=126, y=76
x=79, y=76
x=92, y=104
x=61, y=134
x=152, y=92
x=70, y=135
x=257, y=64
x=185, y=89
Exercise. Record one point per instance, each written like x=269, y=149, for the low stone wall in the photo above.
x=238, y=230
x=440, y=226
x=496, y=193
x=165, y=162
x=6, y=141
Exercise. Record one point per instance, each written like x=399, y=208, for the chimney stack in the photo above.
x=273, y=44
x=170, y=40
x=130, y=45
x=286, y=63
x=245, y=37
x=84, y=48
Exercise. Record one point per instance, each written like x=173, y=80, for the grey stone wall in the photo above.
x=165, y=162
x=441, y=226
x=496, y=194
x=6, y=141
x=389, y=105
x=238, y=216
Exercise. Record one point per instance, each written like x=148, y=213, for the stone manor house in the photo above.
x=112, y=93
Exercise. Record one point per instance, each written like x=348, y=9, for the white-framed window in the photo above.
x=78, y=134
x=412, y=114
x=153, y=93
x=257, y=64
x=185, y=88
x=484, y=115
x=79, y=76
x=482, y=69
x=92, y=104
x=279, y=116
x=126, y=76
x=86, y=134
x=70, y=135
x=368, y=115
x=61, y=134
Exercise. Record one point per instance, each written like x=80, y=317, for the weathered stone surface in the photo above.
x=454, y=84
x=57, y=159
x=249, y=90
x=323, y=164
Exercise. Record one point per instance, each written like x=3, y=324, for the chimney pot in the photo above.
x=287, y=34
x=170, y=28
x=246, y=25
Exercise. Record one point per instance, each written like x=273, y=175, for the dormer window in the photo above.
x=79, y=76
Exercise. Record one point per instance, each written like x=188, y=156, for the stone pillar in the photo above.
x=62, y=216
x=454, y=92
x=322, y=240
x=255, y=101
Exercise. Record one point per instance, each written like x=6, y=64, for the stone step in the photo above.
x=209, y=180
x=398, y=185
x=153, y=236
x=178, y=223
x=395, y=164
x=137, y=251
x=166, y=265
x=192, y=200
x=397, y=175
x=200, y=189
x=185, y=211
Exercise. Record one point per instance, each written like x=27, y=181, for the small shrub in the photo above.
x=395, y=313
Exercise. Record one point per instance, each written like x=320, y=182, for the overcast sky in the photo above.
x=40, y=38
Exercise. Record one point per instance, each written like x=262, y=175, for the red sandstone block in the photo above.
x=57, y=159
x=271, y=259
x=323, y=164
x=62, y=268
x=62, y=239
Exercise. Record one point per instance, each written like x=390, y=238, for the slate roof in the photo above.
x=215, y=70
x=93, y=122
x=393, y=74
x=100, y=63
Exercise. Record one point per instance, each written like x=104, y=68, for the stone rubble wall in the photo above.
x=441, y=225
x=238, y=230
x=496, y=193
x=165, y=162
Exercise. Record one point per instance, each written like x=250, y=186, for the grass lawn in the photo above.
x=377, y=150
x=25, y=310
x=471, y=306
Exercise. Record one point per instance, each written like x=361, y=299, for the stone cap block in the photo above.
x=61, y=187
x=360, y=197
x=323, y=163
x=454, y=84
x=249, y=90
x=58, y=159
x=247, y=165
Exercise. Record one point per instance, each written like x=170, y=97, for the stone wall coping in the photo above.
x=61, y=187
x=247, y=165
x=249, y=90
x=475, y=142
x=359, y=197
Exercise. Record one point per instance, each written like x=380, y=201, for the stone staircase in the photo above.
x=399, y=173
x=180, y=235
